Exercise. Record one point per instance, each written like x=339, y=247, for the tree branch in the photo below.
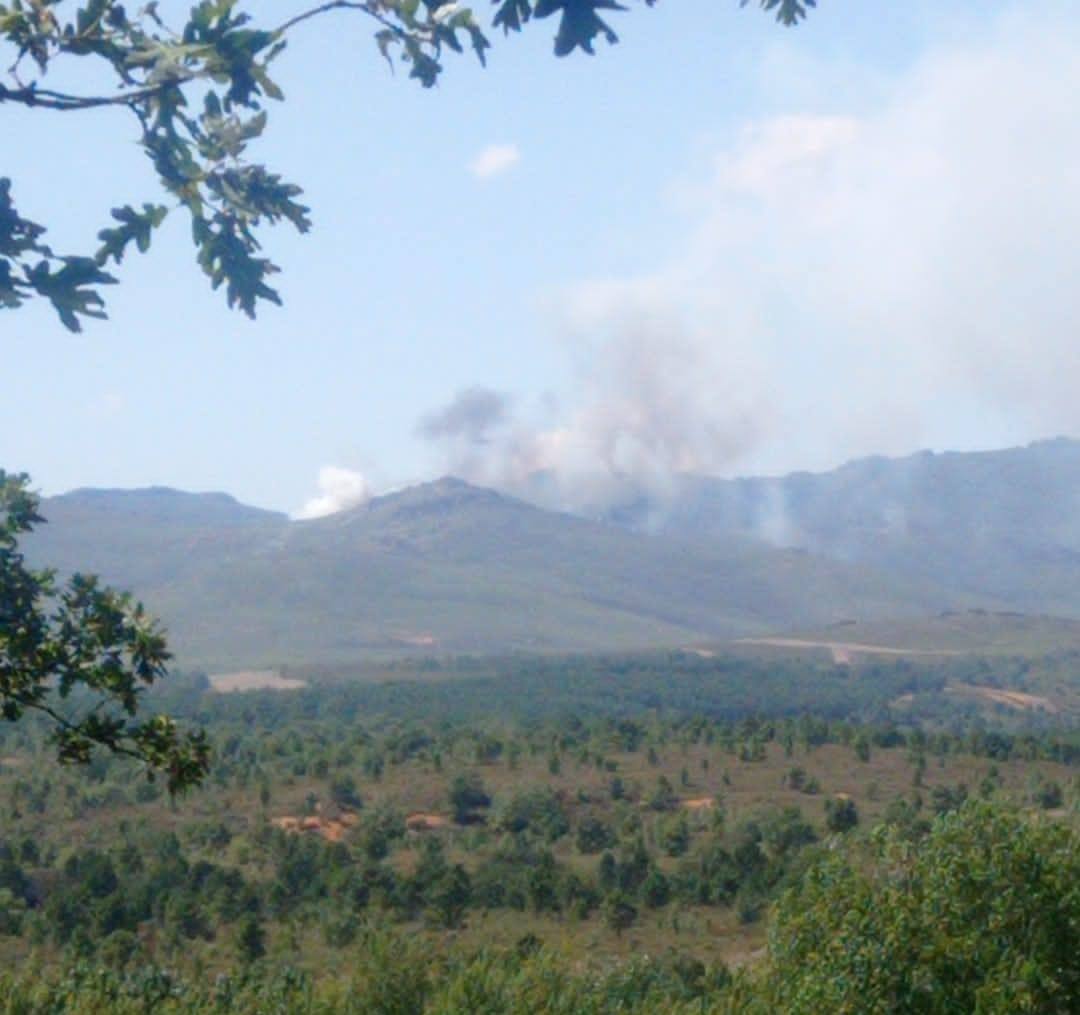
x=45, y=98
x=68, y=726
x=331, y=5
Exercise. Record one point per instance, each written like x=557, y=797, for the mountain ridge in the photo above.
x=452, y=567
x=447, y=566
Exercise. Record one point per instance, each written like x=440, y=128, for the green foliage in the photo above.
x=944, y=799
x=391, y=976
x=466, y=795
x=663, y=797
x=450, y=896
x=540, y=811
x=344, y=793
x=12, y=910
x=674, y=835
x=798, y=779
x=619, y=912
x=198, y=94
x=29, y=267
x=656, y=889
x=841, y=814
x=1046, y=793
x=82, y=655
x=231, y=881
x=981, y=916
x=134, y=227
x=380, y=831
x=788, y=12
x=594, y=836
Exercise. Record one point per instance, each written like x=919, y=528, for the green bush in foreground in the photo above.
x=392, y=978
x=981, y=916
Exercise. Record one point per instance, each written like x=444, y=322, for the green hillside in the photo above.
x=439, y=567
x=997, y=529
x=862, y=554
x=985, y=632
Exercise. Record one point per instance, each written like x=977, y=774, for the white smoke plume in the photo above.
x=850, y=282
x=339, y=490
x=905, y=273
x=641, y=415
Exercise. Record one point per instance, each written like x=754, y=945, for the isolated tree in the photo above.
x=80, y=655
x=197, y=89
x=466, y=795
x=619, y=912
x=344, y=793
x=250, y=939
x=449, y=898
x=841, y=814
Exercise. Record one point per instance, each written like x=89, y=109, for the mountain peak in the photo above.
x=445, y=490
x=441, y=497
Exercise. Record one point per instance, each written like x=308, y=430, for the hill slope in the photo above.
x=999, y=529
x=440, y=567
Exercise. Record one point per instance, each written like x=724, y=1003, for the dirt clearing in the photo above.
x=425, y=822
x=844, y=652
x=254, y=680
x=1013, y=699
x=330, y=829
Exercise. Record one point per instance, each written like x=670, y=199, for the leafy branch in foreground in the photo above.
x=198, y=92
x=80, y=655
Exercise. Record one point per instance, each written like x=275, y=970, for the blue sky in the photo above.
x=719, y=245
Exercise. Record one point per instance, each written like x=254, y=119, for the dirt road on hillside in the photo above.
x=844, y=652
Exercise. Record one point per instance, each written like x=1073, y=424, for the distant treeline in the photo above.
x=539, y=687
x=903, y=692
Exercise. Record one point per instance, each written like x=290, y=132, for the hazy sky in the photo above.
x=719, y=245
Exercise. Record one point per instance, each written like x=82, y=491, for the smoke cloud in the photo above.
x=470, y=416
x=642, y=413
x=848, y=283
x=339, y=490
x=465, y=430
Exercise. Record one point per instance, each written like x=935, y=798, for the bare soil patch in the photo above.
x=254, y=680
x=1013, y=699
x=331, y=829
x=421, y=822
